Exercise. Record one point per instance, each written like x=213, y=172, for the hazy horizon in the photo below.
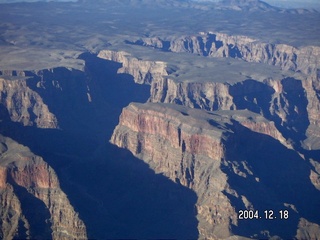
x=278, y=3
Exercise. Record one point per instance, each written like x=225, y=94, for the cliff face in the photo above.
x=212, y=44
x=25, y=105
x=184, y=153
x=292, y=104
x=32, y=203
x=193, y=148
x=84, y=106
x=142, y=71
x=43, y=98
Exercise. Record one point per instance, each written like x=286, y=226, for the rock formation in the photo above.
x=24, y=105
x=214, y=44
x=32, y=203
x=144, y=72
x=227, y=120
x=275, y=99
x=201, y=151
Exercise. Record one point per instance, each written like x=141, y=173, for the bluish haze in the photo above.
x=274, y=2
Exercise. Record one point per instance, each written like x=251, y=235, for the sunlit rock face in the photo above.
x=24, y=105
x=212, y=44
x=32, y=202
x=144, y=72
x=199, y=149
x=290, y=103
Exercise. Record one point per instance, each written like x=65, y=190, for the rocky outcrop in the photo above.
x=32, y=203
x=43, y=98
x=13, y=222
x=208, y=95
x=312, y=90
x=191, y=152
x=25, y=105
x=291, y=103
x=192, y=147
x=142, y=71
x=214, y=44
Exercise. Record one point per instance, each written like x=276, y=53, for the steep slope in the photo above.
x=32, y=203
x=23, y=104
x=247, y=137
x=215, y=44
x=290, y=98
x=214, y=154
x=121, y=197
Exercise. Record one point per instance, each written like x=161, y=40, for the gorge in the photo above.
x=131, y=127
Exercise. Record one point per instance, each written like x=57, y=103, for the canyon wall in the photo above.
x=32, y=203
x=185, y=153
x=82, y=108
x=142, y=71
x=43, y=98
x=24, y=105
x=212, y=44
x=293, y=103
x=193, y=148
x=197, y=149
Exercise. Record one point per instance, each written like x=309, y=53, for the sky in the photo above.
x=278, y=3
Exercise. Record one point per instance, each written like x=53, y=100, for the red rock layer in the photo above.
x=19, y=168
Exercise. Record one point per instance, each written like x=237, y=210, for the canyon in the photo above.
x=141, y=127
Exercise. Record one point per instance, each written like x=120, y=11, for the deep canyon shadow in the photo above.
x=281, y=179
x=116, y=195
x=257, y=97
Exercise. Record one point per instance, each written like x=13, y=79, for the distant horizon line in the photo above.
x=311, y=4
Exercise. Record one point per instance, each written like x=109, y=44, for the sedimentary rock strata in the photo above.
x=32, y=203
x=213, y=44
x=192, y=148
x=231, y=122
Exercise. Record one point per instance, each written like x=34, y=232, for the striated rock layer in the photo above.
x=291, y=100
x=142, y=71
x=292, y=104
x=32, y=203
x=25, y=105
x=179, y=150
x=211, y=44
x=199, y=150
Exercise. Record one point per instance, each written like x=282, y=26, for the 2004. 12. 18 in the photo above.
x=267, y=214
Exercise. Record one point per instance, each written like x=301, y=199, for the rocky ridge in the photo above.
x=215, y=44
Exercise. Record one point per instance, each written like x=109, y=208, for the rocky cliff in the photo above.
x=191, y=152
x=32, y=203
x=23, y=104
x=292, y=104
x=231, y=123
x=84, y=106
x=143, y=71
x=290, y=99
x=215, y=44
x=194, y=147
